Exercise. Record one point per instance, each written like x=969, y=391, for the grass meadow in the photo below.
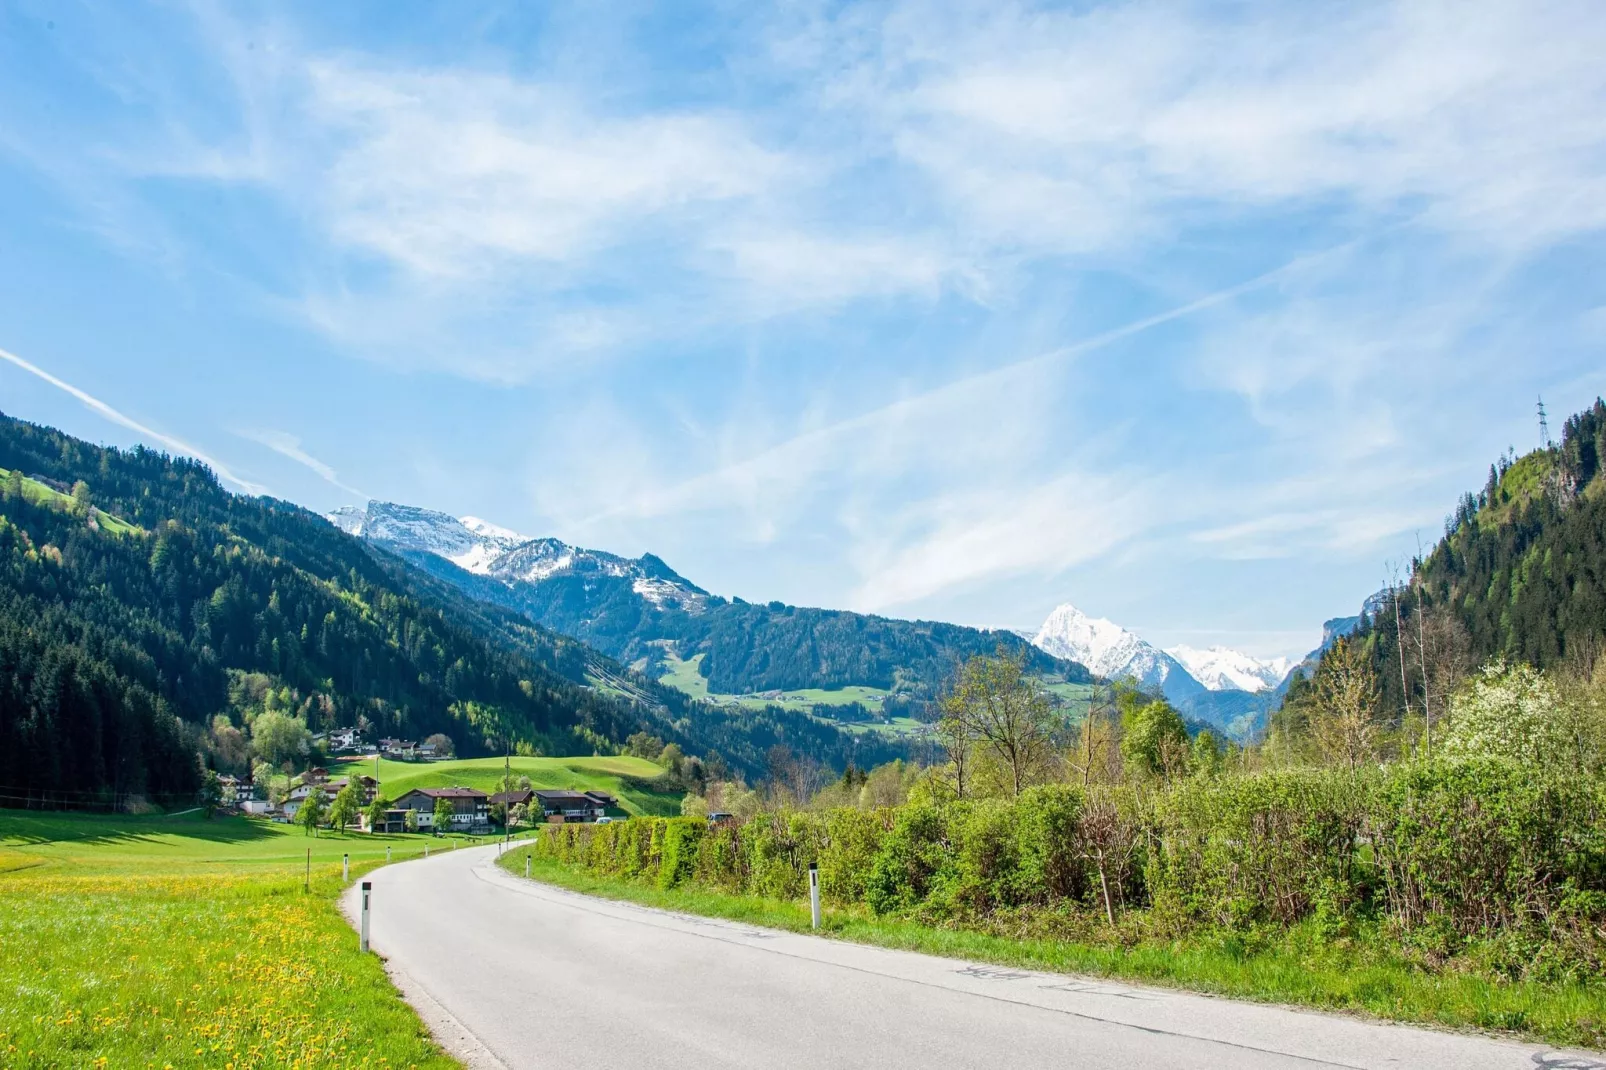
x=1297, y=967
x=187, y=942
x=622, y=776
x=685, y=676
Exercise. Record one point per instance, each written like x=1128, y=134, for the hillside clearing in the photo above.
x=628, y=779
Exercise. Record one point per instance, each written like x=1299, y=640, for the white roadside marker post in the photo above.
x=814, y=893
x=526, y=865
x=426, y=850
x=345, y=869
x=367, y=890
x=387, y=854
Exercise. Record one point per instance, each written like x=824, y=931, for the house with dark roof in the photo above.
x=559, y=807
x=471, y=808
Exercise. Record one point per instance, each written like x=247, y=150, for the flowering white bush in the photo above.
x=1510, y=711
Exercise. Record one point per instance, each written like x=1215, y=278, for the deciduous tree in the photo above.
x=1344, y=721
x=994, y=701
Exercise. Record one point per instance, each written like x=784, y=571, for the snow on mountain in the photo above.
x=1222, y=669
x=425, y=529
x=348, y=518
x=494, y=532
x=1111, y=651
x=487, y=549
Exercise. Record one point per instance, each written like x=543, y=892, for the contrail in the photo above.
x=99, y=406
x=287, y=445
x=804, y=441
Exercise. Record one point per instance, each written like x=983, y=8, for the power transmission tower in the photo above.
x=1544, y=426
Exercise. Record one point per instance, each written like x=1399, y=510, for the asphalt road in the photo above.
x=511, y=973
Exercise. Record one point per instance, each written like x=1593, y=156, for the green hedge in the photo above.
x=1460, y=849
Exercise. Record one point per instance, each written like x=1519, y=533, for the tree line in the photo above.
x=133, y=604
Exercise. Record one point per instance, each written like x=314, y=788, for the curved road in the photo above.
x=512, y=973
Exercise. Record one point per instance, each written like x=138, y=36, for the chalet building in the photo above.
x=368, y=788
x=507, y=800
x=393, y=821
x=471, y=808
x=400, y=749
x=560, y=807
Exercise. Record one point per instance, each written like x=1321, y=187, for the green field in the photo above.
x=43, y=494
x=183, y=942
x=624, y=777
x=1074, y=697
x=684, y=676
x=899, y=726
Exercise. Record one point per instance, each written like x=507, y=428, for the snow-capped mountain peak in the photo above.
x=487, y=549
x=1222, y=669
x=1101, y=645
x=1111, y=651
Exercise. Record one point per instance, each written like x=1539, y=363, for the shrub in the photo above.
x=1476, y=845
x=916, y=857
x=1239, y=851
x=678, y=854
x=851, y=839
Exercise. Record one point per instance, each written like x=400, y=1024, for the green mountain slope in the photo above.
x=125, y=610
x=641, y=612
x=1519, y=573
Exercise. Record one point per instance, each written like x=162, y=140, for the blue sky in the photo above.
x=1197, y=315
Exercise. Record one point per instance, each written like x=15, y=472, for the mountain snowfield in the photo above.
x=1222, y=669
x=1181, y=673
x=486, y=549
x=1111, y=651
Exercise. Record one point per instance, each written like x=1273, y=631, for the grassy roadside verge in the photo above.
x=1298, y=967
x=161, y=942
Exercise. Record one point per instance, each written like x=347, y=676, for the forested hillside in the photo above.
x=135, y=594
x=1520, y=574
x=748, y=647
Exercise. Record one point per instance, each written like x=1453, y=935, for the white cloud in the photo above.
x=986, y=535
x=456, y=173
x=1092, y=129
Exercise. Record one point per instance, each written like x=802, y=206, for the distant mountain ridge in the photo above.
x=1228, y=690
x=1113, y=652
x=642, y=612
x=486, y=549
x=1220, y=668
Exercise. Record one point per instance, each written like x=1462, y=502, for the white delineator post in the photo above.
x=426, y=850
x=345, y=869
x=814, y=893
x=526, y=865
x=387, y=854
x=367, y=889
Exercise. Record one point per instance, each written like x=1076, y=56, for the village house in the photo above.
x=393, y=821
x=471, y=808
x=368, y=790
x=342, y=740
x=399, y=749
x=560, y=807
x=507, y=800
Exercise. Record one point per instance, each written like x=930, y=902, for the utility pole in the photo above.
x=1399, y=642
